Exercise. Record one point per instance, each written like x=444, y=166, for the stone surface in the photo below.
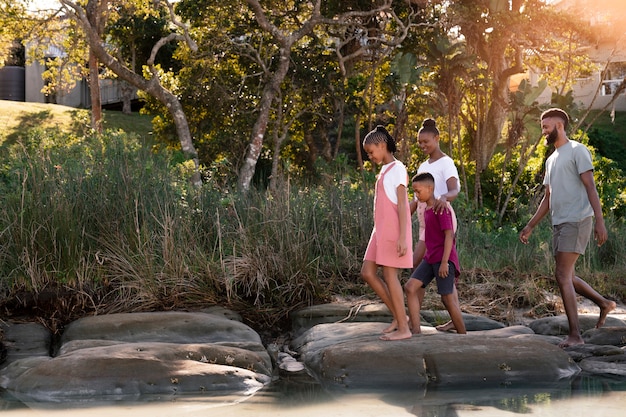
x=614, y=365
x=171, y=326
x=472, y=322
x=615, y=336
x=351, y=355
x=306, y=318
x=504, y=332
x=557, y=325
x=124, y=356
x=24, y=340
x=129, y=370
x=580, y=352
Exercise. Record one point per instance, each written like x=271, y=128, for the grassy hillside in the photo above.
x=17, y=117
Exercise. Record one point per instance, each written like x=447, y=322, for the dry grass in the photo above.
x=502, y=295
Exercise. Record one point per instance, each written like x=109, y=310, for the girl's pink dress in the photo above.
x=382, y=247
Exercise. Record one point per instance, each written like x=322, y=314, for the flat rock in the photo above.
x=308, y=317
x=124, y=356
x=553, y=340
x=23, y=340
x=504, y=332
x=351, y=355
x=615, y=336
x=472, y=322
x=580, y=352
x=558, y=326
x=614, y=365
x=130, y=370
x=169, y=326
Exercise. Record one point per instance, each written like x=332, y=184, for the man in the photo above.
x=572, y=200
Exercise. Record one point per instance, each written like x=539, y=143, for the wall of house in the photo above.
x=586, y=92
x=77, y=97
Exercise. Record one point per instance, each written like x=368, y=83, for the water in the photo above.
x=583, y=396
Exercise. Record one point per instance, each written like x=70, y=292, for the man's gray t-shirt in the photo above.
x=568, y=197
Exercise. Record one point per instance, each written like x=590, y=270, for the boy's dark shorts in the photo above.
x=426, y=272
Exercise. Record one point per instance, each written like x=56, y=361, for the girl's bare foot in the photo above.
x=397, y=335
x=572, y=341
x=604, y=311
x=393, y=326
x=447, y=327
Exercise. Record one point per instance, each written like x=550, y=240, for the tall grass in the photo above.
x=101, y=224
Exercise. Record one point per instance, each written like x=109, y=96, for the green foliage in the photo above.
x=117, y=227
x=116, y=223
x=136, y=31
x=69, y=194
x=607, y=135
x=609, y=178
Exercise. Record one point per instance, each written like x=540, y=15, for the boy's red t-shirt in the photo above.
x=434, y=239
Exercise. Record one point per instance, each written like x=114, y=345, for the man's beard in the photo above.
x=552, y=136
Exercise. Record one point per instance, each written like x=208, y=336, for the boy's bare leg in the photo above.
x=397, y=305
x=564, y=274
x=587, y=291
x=449, y=325
x=414, y=301
x=451, y=302
x=369, y=273
x=418, y=255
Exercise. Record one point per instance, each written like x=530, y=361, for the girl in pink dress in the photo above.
x=390, y=243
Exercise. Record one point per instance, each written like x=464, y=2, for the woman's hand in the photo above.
x=440, y=205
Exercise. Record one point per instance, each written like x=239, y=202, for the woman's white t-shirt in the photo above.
x=442, y=169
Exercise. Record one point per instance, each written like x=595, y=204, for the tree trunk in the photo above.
x=340, y=122
x=525, y=156
x=94, y=15
x=151, y=86
x=493, y=123
x=246, y=172
x=126, y=91
x=399, y=131
x=357, y=140
x=94, y=93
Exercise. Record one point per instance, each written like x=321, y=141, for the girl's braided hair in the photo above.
x=378, y=135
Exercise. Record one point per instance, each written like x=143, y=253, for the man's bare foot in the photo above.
x=447, y=327
x=572, y=341
x=397, y=335
x=393, y=326
x=604, y=311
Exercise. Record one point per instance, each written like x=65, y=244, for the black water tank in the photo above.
x=12, y=85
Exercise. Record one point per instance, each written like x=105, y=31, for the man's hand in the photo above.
x=525, y=234
x=600, y=233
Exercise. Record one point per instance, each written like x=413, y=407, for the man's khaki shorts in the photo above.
x=572, y=237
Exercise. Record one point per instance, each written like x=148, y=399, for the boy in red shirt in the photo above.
x=440, y=261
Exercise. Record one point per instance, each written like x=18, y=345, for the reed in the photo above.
x=102, y=224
